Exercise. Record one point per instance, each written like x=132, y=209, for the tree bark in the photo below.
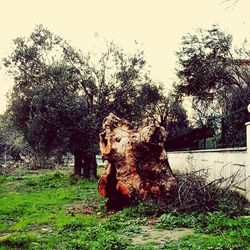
x=136, y=164
x=78, y=166
x=85, y=164
x=90, y=166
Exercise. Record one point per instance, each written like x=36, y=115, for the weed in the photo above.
x=209, y=223
x=23, y=241
x=207, y=242
x=47, y=210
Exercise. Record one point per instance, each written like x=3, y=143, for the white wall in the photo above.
x=219, y=162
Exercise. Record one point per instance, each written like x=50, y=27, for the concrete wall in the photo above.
x=219, y=162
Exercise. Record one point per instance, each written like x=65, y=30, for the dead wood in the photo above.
x=136, y=164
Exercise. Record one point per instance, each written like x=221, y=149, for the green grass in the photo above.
x=214, y=231
x=49, y=210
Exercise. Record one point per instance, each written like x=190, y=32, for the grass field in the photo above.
x=47, y=209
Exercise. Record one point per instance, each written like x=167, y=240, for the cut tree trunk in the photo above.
x=136, y=164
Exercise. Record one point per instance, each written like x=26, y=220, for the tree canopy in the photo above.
x=217, y=77
x=211, y=72
x=169, y=113
x=61, y=96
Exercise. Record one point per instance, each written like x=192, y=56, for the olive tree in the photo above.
x=61, y=96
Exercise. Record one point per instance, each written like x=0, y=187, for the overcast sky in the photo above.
x=156, y=24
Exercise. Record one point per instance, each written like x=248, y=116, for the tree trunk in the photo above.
x=93, y=166
x=90, y=166
x=85, y=164
x=78, y=166
x=136, y=164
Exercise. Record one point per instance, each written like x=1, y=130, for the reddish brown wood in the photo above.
x=136, y=164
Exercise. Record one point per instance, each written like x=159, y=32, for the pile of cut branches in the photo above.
x=196, y=194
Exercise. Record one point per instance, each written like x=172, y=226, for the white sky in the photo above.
x=156, y=24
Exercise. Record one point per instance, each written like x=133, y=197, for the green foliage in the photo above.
x=231, y=123
x=45, y=210
x=207, y=242
x=144, y=247
x=40, y=204
x=20, y=241
x=38, y=199
x=103, y=238
x=81, y=93
x=170, y=221
x=145, y=208
x=221, y=232
x=215, y=76
x=204, y=59
x=12, y=142
x=51, y=180
x=168, y=113
x=209, y=223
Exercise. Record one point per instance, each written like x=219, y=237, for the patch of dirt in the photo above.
x=85, y=208
x=150, y=234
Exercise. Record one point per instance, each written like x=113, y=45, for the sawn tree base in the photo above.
x=136, y=164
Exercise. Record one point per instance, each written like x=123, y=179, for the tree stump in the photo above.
x=136, y=164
